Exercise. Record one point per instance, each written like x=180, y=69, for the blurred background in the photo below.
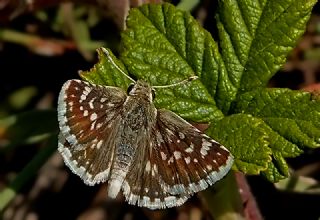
x=43, y=44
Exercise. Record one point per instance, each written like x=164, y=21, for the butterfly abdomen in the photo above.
x=137, y=120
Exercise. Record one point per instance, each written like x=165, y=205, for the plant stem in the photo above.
x=223, y=199
x=42, y=46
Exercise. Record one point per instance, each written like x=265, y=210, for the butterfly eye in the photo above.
x=153, y=92
x=130, y=88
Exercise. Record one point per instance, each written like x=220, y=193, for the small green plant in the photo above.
x=260, y=126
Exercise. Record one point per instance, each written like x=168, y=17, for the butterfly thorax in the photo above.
x=138, y=119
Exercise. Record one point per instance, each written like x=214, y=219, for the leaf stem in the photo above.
x=223, y=199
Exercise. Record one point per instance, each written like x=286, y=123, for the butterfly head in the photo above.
x=141, y=89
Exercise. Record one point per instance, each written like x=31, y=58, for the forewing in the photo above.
x=188, y=160
x=89, y=116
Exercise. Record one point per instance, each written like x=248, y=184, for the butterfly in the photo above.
x=156, y=158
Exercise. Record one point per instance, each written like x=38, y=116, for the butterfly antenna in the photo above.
x=106, y=52
x=191, y=78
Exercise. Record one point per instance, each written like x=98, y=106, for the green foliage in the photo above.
x=291, y=122
x=163, y=45
x=105, y=73
x=256, y=37
x=37, y=126
x=260, y=126
x=27, y=128
x=245, y=138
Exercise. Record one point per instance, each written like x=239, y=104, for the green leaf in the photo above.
x=291, y=121
x=105, y=73
x=257, y=35
x=21, y=97
x=256, y=147
x=302, y=133
x=281, y=148
x=28, y=127
x=246, y=139
x=273, y=173
x=163, y=45
x=292, y=114
x=188, y=5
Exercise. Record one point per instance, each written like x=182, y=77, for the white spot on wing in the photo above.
x=103, y=99
x=205, y=147
x=170, y=160
x=87, y=89
x=206, y=143
x=177, y=155
x=203, y=151
x=154, y=170
x=83, y=97
x=190, y=148
x=163, y=155
x=92, y=125
x=99, y=144
x=159, y=138
x=99, y=125
x=187, y=159
x=181, y=135
x=93, y=116
x=91, y=103
x=148, y=166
